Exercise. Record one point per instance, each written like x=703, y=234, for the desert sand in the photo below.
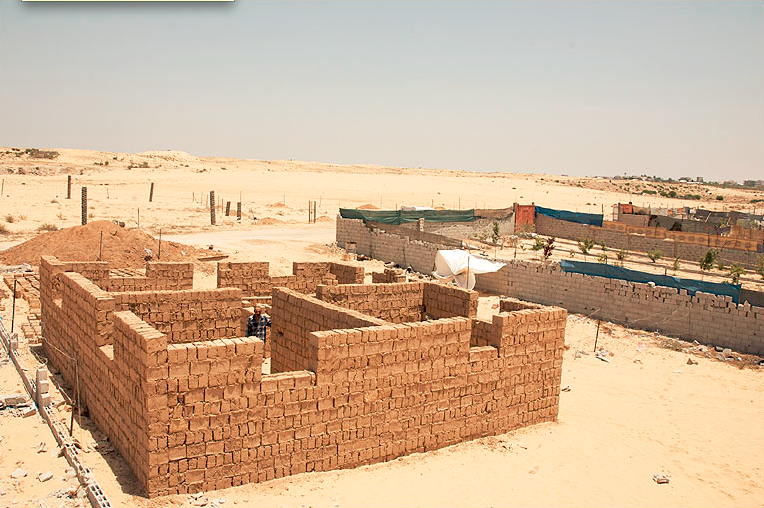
x=645, y=412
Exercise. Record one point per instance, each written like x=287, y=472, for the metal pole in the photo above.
x=76, y=377
x=100, y=246
x=13, y=314
x=597, y=336
x=159, y=254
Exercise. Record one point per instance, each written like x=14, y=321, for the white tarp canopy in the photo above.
x=415, y=208
x=461, y=267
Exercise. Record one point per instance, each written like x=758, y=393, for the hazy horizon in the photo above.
x=581, y=89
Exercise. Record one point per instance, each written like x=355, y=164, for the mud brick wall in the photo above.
x=619, y=240
x=394, y=303
x=445, y=300
x=387, y=277
x=710, y=319
x=513, y=304
x=388, y=247
x=294, y=316
x=212, y=394
x=347, y=274
x=186, y=315
x=254, y=279
x=170, y=275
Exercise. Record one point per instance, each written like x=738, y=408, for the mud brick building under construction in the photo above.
x=360, y=373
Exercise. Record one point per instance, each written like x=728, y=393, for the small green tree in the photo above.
x=708, y=260
x=602, y=258
x=621, y=255
x=495, y=233
x=735, y=272
x=655, y=255
x=720, y=265
x=676, y=263
x=603, y=246
x=585, y=246
x=539, y=244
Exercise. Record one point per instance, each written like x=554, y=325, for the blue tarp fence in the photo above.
x=397, y=217
x=616, y=272
x=592, y=219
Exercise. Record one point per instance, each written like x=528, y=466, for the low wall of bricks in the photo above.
x=671, y=248
x=254, y=278
x=387, y=277
x=197, y=416
x=710, y=319
x=447, y=300
x=394, y=303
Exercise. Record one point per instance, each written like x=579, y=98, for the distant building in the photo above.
x=699, y=179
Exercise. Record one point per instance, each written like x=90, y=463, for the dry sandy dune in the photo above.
x=645, y=412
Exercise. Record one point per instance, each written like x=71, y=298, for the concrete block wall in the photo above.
x=394, y=303
x=707, y=318
x=690, y=252
x=294, y=316
x=388, y=247
x=467, y=229
x=255, y=280
x=186, y=315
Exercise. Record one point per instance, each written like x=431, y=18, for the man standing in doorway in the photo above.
x=257, y=323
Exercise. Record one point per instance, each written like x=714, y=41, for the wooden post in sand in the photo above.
x=212, y=207
x=68, y=186
x=227, y=208
x=84, y=205
x=238, y=211
x=151, y=193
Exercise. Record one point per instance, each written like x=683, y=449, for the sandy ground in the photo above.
x=644, y=412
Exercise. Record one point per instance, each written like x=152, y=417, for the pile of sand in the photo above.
x=367, y=206
x=269, y=221
x=120, y=247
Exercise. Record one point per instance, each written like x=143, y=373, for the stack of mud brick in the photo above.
x=27, y=288
x=186, y=315
x=711, y=319
x=254, y=279
x=388, y=276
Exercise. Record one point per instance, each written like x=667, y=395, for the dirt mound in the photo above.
x=121, y=248
x=269, y=221
x=324, y=218
x=278, y=205
x=367, y=206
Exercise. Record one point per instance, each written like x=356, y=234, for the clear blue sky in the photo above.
x=590, y=88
